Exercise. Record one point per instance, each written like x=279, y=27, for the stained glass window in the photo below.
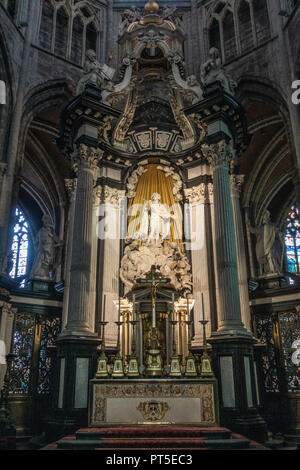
x=292, y=240
x=19, y=247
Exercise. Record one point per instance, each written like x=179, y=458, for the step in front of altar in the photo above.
x=136, y=438
x=116, y=402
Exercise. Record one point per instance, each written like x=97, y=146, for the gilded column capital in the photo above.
x=196, y=194
x=86, y=158
x=219, y=154
x=112, y=196
x=237, y=182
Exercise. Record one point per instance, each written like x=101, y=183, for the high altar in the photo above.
x=153, y=317
x=154, y=378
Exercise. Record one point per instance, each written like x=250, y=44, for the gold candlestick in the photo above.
x=205, y=365
x=118, y=367
x=190, y=368
x=133, y=369
x=102, y=371
x=175, y=369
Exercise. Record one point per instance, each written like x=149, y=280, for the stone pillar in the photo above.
x=94, y=255
x=109, y=276
x=78, y=342
x=229, y=313
x=236, y=186
x=232, y=344
x=71, y=185
x=197, y=198
x=79, y=321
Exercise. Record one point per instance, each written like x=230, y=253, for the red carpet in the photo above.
x=155, y=437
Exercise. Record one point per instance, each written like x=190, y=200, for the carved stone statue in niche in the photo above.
x=95, y=73
x=155, y=223
x=48, y=251
x=213, y=71
x=267, y=252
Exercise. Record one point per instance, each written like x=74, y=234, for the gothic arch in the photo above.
x=270, y=165
x=48, y=165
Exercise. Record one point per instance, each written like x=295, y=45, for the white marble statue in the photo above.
x=167, y=256
x=46, y=244
x=155, y=221
x=213, y=71
x=95, y=73
x=266, y=252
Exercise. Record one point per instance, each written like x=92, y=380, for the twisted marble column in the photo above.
x=85, y=161
x=229, y=311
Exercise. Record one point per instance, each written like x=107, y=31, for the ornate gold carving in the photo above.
x=201, y=126
x=126, y=118
x=104, y=128
x=196, y=194
x=86, y=158
x=208, y=413
x=218, y=154
x=98, y=406
x=153, y=410
x=112, y=196
x=157, y=391
x=180, y=118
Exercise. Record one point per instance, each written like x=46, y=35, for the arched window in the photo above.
x=261, y=18
x=91, y=37
x=61, y=34
x=245, y=26
x=77, y=38
x=46, y=25
x=18, y=257
x=214, y=35
x=292, y=240
x=229, y=36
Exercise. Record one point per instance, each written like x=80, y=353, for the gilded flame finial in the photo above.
x=151, y=7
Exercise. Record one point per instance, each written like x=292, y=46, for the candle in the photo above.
x=104, y=308
x=133, y=307
x=173, y=306
x=153, y=314
x=203, y=313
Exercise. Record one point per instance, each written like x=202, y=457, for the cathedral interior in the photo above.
x=149, y=223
